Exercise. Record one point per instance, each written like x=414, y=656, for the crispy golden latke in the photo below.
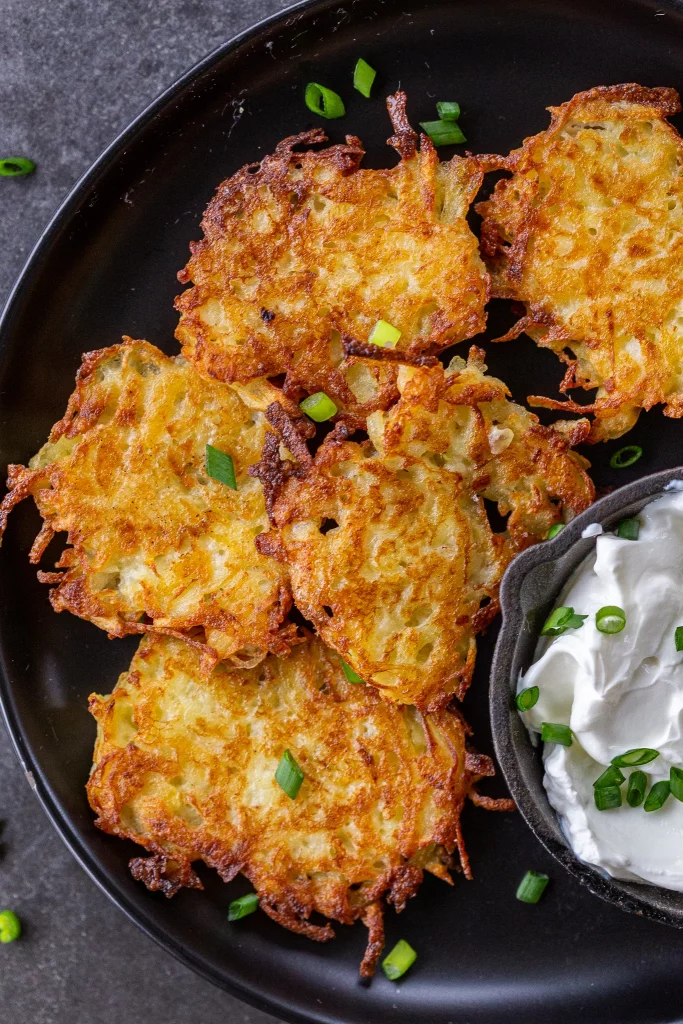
x=588, y=233
x=154, y=544
x=185, y=764
x=387, y=541
x=304, y=249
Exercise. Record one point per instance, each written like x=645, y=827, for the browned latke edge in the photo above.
x=69, y=591
x=167, y=872
x=506, y=261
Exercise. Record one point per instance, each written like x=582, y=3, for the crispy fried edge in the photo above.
x=508, y=260
x=346, y=158
x=167, y=873
x=71, y=594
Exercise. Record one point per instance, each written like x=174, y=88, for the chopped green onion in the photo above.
x=363, y=77
x=625, y=457
x=10, y=926
x=628, y=529
x=635, y=757
x=635, y=792
x=319, y=407
x=448, y=111
x=607, y=797
x=657, y=796
x=676, y=782
x=13, y=166
x=220, y=466
x=532, y=887
x=560, y=620
x=323, y=101
x=399, y=960
x=553, y=733
x=678, y=637
x=554, y=530
x=610, y=619
x=243, y=906
x=385, y=335
x=443, y=133
x=351, y=676
x=527, y=698
x=288, y=775
x=610, y=777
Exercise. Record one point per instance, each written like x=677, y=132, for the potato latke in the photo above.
x=305, y=247
x=155, y=544
x=184, y=765
x=588, y=233
x=388, y=542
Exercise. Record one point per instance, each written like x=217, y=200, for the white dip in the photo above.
x=618, y=692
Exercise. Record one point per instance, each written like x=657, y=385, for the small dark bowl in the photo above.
x=529, y=590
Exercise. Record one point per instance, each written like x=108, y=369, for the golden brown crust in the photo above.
x=388, y=543
x=154, y=544
x=306, y=247
x=587, y=234
x=184, y=765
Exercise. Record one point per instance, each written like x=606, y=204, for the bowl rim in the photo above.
x=654, y=902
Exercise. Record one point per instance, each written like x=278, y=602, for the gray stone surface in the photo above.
x=74, y=73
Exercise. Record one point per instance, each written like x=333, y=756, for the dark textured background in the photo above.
x=74, y=73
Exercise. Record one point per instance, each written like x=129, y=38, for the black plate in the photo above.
x=106, y=266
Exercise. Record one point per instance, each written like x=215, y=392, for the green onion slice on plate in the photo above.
x=532, y=887
x=220, y=466
x=243, y=906
x=399, y=960
x=323, y=101
x=551, y=732
x=635, y=791
x=289, y=776
x=363, y=77
x=319, y=407
x=626, y=457
x=443, y=133
x=610, y=619
x=526, y=699
x=657, y=796
x=448, y=111
x=628, y=529
x=635, y=757
x=554, y=530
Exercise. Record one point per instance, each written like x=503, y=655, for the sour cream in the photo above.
x=617, y=692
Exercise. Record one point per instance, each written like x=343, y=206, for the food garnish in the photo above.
x=610, y=619
x=323, y=101
x=551, y=732
x=532, y=887
x=363, y=77
x=14, y=166
x=399, y=960
x=10, y=926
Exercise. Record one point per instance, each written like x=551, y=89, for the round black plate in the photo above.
x=107, y=266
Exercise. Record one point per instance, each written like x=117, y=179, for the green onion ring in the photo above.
x=625, y=457
x=323, y=101
x=532, y=887
x=610, y=619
